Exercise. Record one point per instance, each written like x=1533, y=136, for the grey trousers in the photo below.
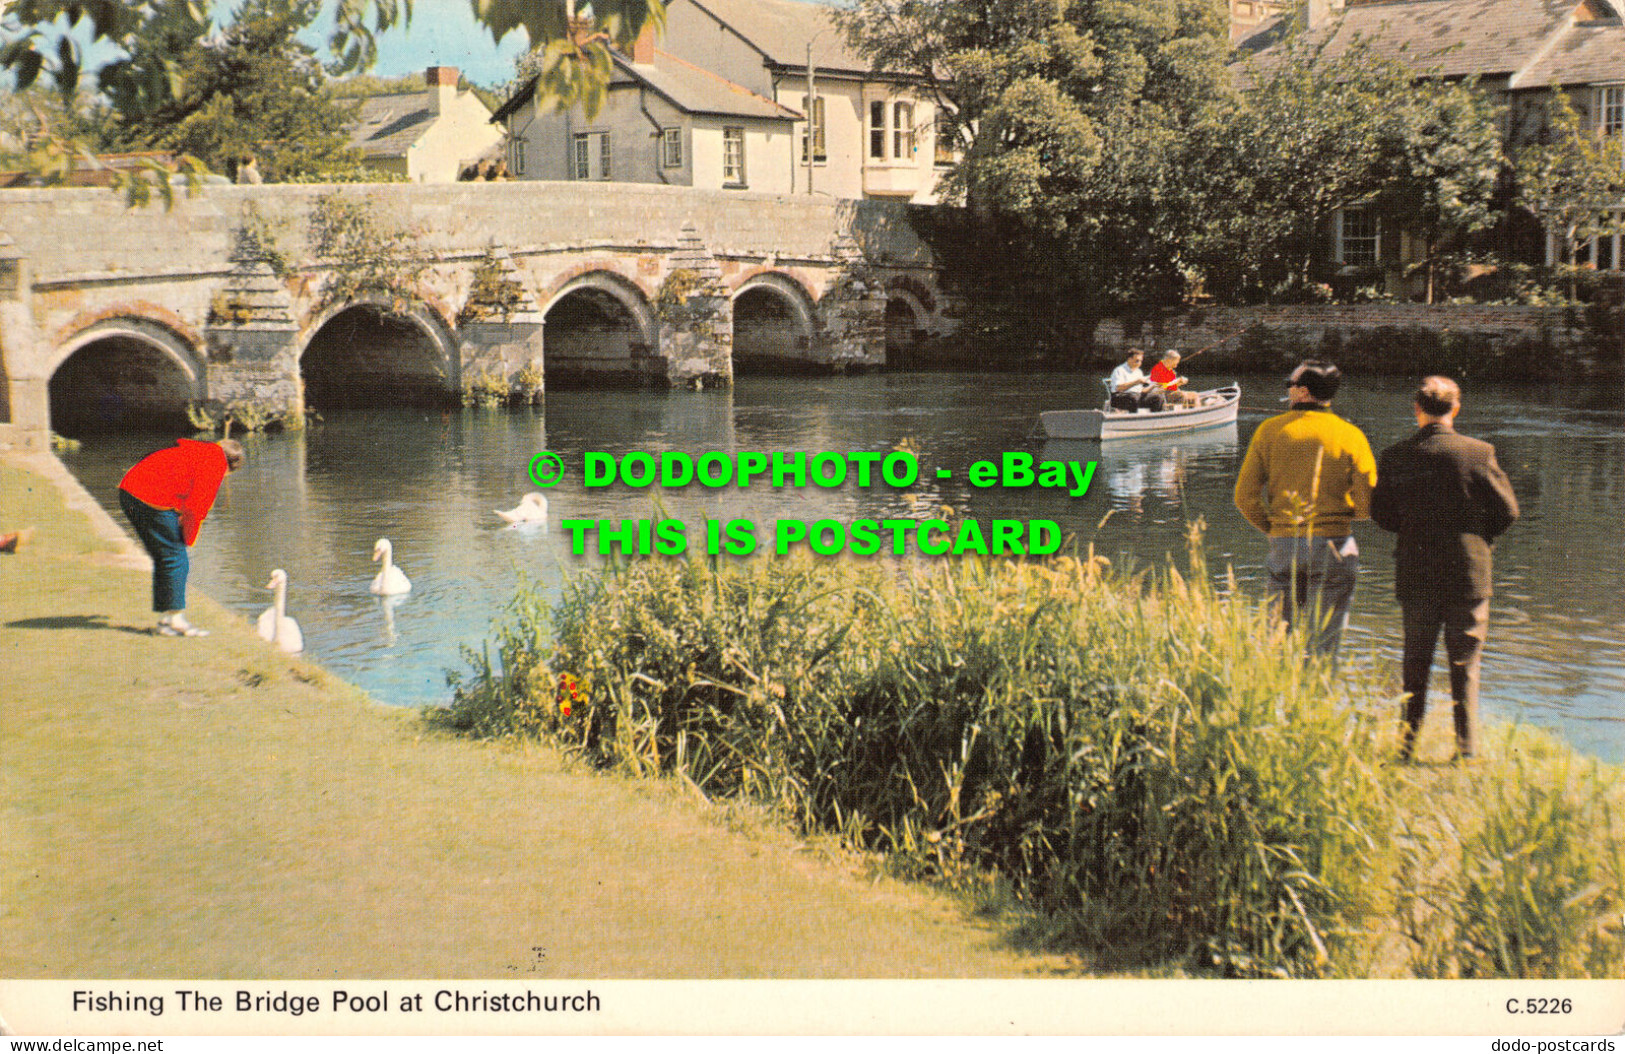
x=1313, y=578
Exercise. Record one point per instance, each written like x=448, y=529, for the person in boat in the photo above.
x=1165, y=375
x=1307, y=475
x=1447, y=499
x=1131, y=388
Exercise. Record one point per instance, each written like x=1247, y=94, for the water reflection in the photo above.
x=315, y=502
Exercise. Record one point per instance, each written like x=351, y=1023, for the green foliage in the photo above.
x=223, y=419
x=1444, y=170
x=362, y=253
x=260, y=238
x=1571, y=178
x=1073, y=118
x=569, y=57
x=1317, y=133
x=1144, y=764
x=1537, y=892
x=250, y=90
x=494, y=293
x=684, y=298
x=489, y=391
x=528, y=386
x=485, y=391
x=36, y=40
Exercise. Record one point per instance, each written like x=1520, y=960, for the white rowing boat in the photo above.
x=1213, y=408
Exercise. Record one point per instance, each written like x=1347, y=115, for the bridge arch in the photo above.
x=907, y=319
x=599, y=326
x=375, y=351
x=774, y=324
x=124, y=372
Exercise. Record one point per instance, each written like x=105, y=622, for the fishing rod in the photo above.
x=1209, y=347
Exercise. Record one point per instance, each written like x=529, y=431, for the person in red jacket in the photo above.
x=1165, y=374
x=167, y=495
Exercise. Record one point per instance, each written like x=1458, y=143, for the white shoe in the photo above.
x=177, y=626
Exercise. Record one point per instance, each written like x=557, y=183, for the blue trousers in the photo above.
x=160, y=531
x=1314, y=578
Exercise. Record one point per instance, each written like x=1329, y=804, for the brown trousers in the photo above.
x=1465, y=624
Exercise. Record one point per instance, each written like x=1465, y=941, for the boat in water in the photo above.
x=1213, y=408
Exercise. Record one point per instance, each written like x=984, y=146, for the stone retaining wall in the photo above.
x=1478, y=340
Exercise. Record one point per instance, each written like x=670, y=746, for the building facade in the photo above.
x=723, y=102
x=429, y=136
x=1521, y=50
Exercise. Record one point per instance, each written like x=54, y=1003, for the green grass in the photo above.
x=210, y=808
x=1143, y=762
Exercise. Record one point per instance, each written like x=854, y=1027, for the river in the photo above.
x=313, y=503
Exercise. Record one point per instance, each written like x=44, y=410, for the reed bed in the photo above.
x=1143, y=759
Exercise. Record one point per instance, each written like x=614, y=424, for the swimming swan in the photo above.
x=532, y=508
x=390, y=580
x=275, y=625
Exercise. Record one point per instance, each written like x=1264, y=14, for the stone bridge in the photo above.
x=269, y=299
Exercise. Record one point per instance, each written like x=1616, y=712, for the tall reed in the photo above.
x=1144, y=757
x=1538, y=883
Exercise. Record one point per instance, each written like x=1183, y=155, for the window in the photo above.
x=591, y=156
x=903, y=130
x=1359, y=237
x=733, y=156
x=516, y=155
x=1611, y=109
x=945, y=142
x=816, y=125
x=877, y=130
x=671, y=148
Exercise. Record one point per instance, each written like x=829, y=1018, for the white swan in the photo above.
x=532, y=508
x=275, y=625
x=390, y=580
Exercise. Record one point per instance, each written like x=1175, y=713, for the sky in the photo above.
x=442, y=33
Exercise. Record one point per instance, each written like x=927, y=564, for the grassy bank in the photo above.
x=210, y=808
x=1142, y=761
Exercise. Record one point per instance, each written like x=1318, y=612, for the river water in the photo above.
x=314, y=503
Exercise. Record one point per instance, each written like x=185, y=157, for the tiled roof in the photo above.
x=1590, y=53
x=1534, y=42
x=780, y=30
x=686, y=86
x=694, y=89
x=1453, y=38
x=388, y=125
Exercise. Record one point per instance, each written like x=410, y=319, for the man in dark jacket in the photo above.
x=1448, y=500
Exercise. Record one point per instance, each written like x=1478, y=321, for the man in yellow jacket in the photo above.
x=1307, y=476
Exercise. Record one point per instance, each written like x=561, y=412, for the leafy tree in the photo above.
x=1571, y=178
x=574, y=38
x=36, y=40
x=1311, y=136
x=1443, y=176
x=1069, y=115
x=29, y=118
x=249, y=89
x=1316, y=133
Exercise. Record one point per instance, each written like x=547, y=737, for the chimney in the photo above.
x=643, y=48
x=442, y=82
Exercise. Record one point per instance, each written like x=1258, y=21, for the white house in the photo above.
x=663, y=121
x=729, y=86
x=428, y=136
